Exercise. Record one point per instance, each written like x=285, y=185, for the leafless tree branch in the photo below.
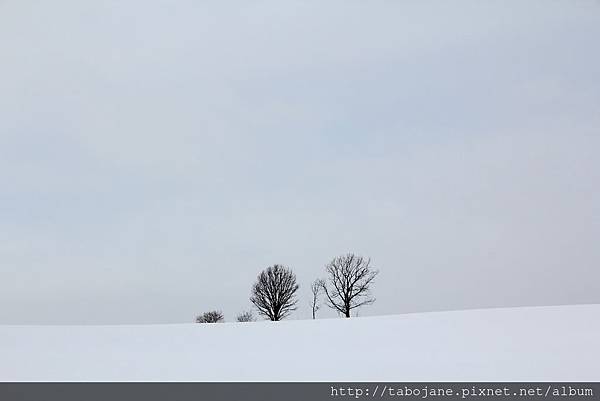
x=274, y=292
x=350, y=277
x=211, y=317
x=245, y=317
x=316, y=288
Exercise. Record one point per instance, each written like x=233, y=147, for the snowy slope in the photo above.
x=541, y=343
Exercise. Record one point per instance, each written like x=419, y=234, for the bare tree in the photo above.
x=315, y=288
x=350, y=278
x=274, y=292
x=244, y=317
x=211, y=317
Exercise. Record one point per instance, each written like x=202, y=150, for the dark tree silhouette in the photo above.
x=315, y=288
x=245, y=317
x=350, y=278
x=211, y=317
x=274, y=292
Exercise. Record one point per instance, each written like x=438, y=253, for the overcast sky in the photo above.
x=156, y=155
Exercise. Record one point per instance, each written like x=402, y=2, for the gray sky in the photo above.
x=156, y=155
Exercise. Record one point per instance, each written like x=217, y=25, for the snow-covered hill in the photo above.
x=529, y=344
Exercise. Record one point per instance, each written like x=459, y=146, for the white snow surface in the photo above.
x=559, y=343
